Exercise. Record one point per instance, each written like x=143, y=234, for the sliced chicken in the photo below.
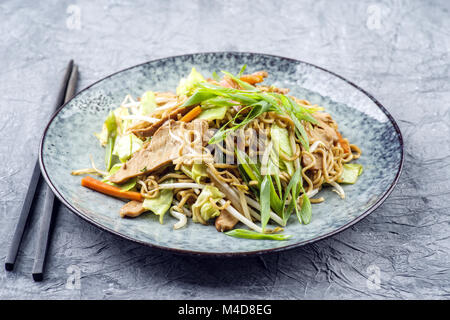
x=227, y=82
x=273, y=89
x=150, y=130
x=132, y=209
x=324, y=131
x=225, y=221
x=164, y=147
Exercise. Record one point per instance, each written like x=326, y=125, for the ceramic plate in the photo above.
x=68, y=141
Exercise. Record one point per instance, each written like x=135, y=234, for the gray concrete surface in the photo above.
x=397, y=50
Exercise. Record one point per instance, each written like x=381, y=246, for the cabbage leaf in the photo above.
x=213, y=113
x=187, y=85
x=126, y=145
x=202, y=209
x=148, y=103
x=350, y=173
x=281, y=143
x=161, y=204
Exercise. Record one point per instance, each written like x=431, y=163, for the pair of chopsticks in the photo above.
x=66, y=92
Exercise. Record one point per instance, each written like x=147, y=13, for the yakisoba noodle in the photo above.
x=225, y=150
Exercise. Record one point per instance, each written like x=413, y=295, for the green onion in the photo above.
x=248, y=166
x=127, y=186
x=198, y=97
x=275, y=201
x=300, y=130
x=306, y=210
x=217, y=102
x=278, y=184
x=108, y=152
x=272, y=99
x=111, y=127
x=257, y=109
x=241, y=72
x=243, y=84
x=292, y=186
x=215, y=76
x=301, y=112
x=248, y=234
x=264, y=200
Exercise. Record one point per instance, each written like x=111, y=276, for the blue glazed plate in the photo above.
x=68, y=140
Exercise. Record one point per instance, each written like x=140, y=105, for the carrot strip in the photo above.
x=110, y=190
x=344, y=143
x=191, y=115
x=252, y=78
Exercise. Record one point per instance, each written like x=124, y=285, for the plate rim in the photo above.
x=368, y=211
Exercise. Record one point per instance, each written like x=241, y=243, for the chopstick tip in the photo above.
x=9, y=266
x=38, y=276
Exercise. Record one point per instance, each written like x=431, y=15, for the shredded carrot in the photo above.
x=343, y=142
x=252, y=78
x=110, y=190
x=191, y=115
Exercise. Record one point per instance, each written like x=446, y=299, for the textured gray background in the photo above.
x=396, y=50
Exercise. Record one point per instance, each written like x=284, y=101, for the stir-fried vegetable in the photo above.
x=293, y=190
x=130, y=184
x=204, y=207
x=297, y=113
x=105, y=188
x=252, y=170
x=306, y=209
x=191, y=115
x=217, y=102
x=248, y=234
x=257, y=102
x=121, y=114
x=160, y=204
x=280, y=139
x=148, y=103
x=216, y=113
x=187, y=85
x=126, y=145
x=245, y=85
x=264, y=200
x=197, y=171
x=111, y=133
x=256, y=109
x=350, y=173
x=343, y=143
x=267, y=184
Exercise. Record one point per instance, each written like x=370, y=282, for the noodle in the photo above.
x=318, y=155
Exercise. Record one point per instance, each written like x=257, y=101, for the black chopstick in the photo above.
x=72, y=85
x=47, y=213
x=26, y=205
